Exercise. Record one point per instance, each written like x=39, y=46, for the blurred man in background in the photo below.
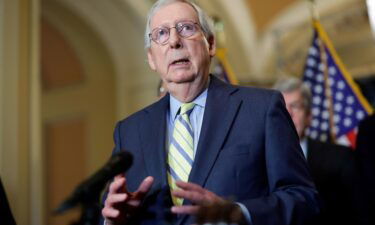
x=333, y=167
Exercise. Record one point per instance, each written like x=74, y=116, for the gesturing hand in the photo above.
x=195, y=194
x=120, y=204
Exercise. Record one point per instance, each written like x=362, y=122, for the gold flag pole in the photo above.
x=324, y=58
x=221, y=51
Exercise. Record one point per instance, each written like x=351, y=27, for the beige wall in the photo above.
x=81, y=103
x=18, y=44
x=25, y=107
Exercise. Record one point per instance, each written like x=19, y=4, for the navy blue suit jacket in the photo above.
x=336, y=174
x=248, y=151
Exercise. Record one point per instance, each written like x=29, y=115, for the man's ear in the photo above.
x=212, y=46
x=151, y=61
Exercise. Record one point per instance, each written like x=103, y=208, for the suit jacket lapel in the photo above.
x=219, y=113
x=153, y=139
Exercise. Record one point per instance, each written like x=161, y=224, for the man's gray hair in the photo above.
x=290, y=84
x=205, y=21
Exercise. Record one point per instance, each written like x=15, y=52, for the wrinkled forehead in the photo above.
x=170, y=14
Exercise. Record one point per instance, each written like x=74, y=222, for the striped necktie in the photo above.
x=181, y=149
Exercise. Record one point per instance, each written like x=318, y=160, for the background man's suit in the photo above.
x=365, y=153
x=248, y=150
x=338, y=182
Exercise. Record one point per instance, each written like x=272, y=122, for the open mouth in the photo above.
x=183, y=61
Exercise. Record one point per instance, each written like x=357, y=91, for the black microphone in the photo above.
x=90, y=189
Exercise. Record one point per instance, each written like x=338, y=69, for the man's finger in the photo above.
x=110, y=213
x=117, y=185
x=193, y=196
x=121, y=175
x=144, y=187
x=185, y=209
x=189, y=186
x=115, y=199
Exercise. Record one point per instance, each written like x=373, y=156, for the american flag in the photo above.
x=337, y=104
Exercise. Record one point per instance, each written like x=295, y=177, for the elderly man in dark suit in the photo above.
x=333, y=167
x=206, y=142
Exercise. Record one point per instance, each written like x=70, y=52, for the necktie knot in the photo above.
x=186, y=108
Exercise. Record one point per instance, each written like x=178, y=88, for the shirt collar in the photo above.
x=303, y=143
x=175, y=105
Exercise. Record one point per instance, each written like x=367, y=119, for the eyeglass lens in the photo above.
x=184, y=29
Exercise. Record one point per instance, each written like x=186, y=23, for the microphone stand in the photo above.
x=87, y=194
x=90, y=205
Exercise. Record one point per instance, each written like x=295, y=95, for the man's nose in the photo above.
x=174, y=39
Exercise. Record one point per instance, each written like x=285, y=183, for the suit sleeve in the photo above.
x=292, y=197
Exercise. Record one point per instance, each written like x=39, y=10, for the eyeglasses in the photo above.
x=185, y=29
